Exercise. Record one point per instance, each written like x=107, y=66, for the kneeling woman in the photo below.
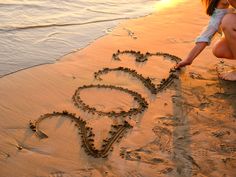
x=221, y=17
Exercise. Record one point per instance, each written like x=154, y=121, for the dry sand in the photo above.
x=188, y=130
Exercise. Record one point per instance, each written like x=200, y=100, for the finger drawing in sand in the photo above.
x=222, y=21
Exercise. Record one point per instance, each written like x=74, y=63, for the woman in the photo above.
x=222, y=17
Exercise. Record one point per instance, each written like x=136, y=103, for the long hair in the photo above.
x=210, y=6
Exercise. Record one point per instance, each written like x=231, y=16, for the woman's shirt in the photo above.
x=213, y=26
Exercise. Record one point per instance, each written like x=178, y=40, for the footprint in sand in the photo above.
x=221, y=133
x=195, y=75
x=133, y=174
x=59, y=174
x=226, y=72
x=230, y=162
x=88, y=172
x=125, y=32
x=4, y=155
x=153, y=152
x=224, y=147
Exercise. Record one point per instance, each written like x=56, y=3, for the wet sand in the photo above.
x=188, y=129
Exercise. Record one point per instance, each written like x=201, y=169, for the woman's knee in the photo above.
x=216, y=50
x=221, y=50
x=219, y=53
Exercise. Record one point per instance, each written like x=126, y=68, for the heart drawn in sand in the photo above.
x=117, y=130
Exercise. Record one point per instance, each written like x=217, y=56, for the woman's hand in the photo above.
x=183, y=64
x=196, y=50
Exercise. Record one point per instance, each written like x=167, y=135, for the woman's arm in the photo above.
x=205, y=37
x=197, y=49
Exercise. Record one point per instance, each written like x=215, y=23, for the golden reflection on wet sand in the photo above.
x=163, y=4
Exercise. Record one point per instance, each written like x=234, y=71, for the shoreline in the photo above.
x=161, y=8
x=186, y=130
x=80, y=46
x=75, y=50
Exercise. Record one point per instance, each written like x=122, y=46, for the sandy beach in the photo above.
x=187, y=128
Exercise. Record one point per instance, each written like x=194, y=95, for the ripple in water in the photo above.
x=34, y=32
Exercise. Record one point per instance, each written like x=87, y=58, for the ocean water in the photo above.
x=35, y=32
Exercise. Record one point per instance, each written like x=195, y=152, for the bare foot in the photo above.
x=229, y=76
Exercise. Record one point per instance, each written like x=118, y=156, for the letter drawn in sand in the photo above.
x=117, y=130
